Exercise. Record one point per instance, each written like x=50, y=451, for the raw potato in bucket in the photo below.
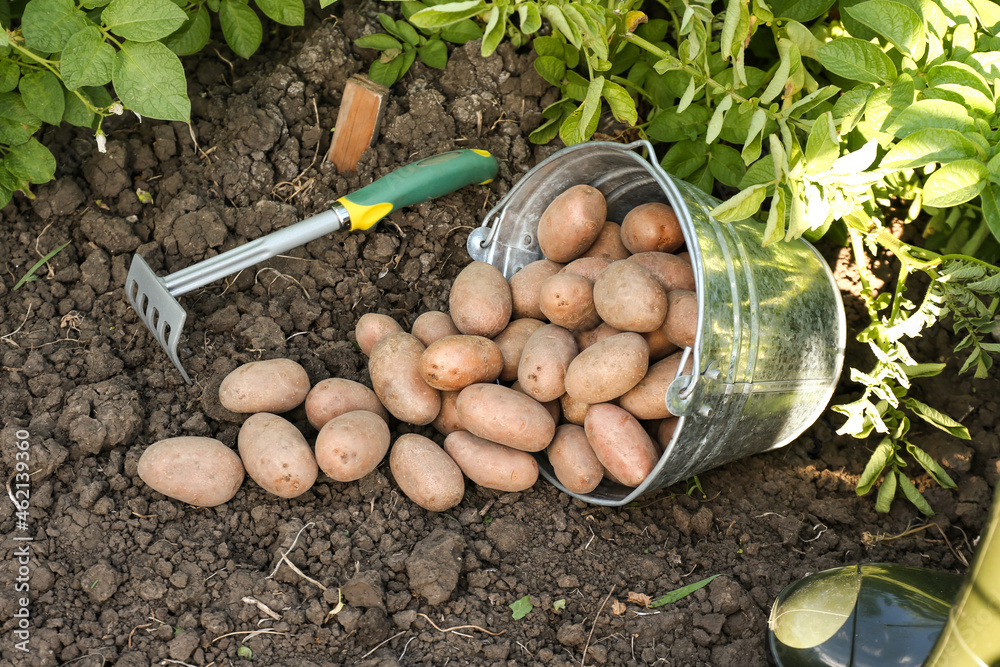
x=761, y=335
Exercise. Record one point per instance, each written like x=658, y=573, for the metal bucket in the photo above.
x=771, y=329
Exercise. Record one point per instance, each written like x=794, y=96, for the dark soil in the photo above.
x=121, y=575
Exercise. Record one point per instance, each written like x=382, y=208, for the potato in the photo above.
x=608, y=369
x=546, y=356
x=335, y=396
x=425, y=473
x=665, y=432
x=553, y=407
x=491, y=465
x=447, y=420
x=370, y=329
x=609, y=244
x=622, y=446
x=686, y=256
x=659, y=345
x=648, y=399
x=352, y=445
x=670, y=271
x=275, y=385
x=573, y=459
x=433, y=325
x=629, y=298
x=394, y=366
x=573, y=410
x=506, y=416
x=651, y=226
x=585, y=339
x=567, y=299
x=511, y=343
x=588, y=267
x=454, y=362
x=276, y=455
x=197, y=471
x=525, y=285
x=480, y=300
x=571, y=223
x=681, y=323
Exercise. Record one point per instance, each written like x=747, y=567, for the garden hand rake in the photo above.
x=154, y=298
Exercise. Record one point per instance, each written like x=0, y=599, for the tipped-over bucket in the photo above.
x=771, y=328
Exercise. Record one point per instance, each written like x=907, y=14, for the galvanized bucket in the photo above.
x=771, y=330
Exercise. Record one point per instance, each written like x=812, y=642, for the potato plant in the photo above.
x=57, y=58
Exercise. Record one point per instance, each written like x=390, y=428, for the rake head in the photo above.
x=157, y=308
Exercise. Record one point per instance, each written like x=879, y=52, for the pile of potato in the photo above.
x=573, y=355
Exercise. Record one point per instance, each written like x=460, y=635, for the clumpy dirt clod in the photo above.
x=121, y=575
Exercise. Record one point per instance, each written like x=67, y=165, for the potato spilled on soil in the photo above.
x=572, y=355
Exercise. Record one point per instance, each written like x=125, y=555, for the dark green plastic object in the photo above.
x=871, y=615
x=418, y=182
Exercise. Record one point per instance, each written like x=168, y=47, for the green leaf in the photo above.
x=407, y=33
x=39, y=264
x=715, y=125
x=936, y=418
x=751, y=149
x=926, y=370
x=4, y=40
x=670, y=126
x=761, y=171
x=880, y=458
x=285, y=12
x=149, y=79
x=990, y=198
x=929, y=145
x=803, y=38
x=559, y=604
x=680, y=593
x=954, y=183
x=857, y=60
x=897, y=23
x=496, y=28
x=726, y=165
x=191, y=37
x=461, y=32
x=551, y=69
x=378, y=41
x=775, y=229
x=558, y=20
x=521, y=608
x=48, y=24
x=549, y=46
x=857, y=161
x=86, y=60
x=886, y=492
x=742, y=205
x=77, y=112
x=10, y=74
x=434, y=54
x=143, y=20
x=546, y=132
x=581, y=124
x=963, y=82
x=531, y=18
x=387, y=73
x=688, y=95
x=32, y=161
x=684, y=158
x=789, y=59
x=446, y=14
x=42, y=93
x=735, y=29
x=621, y=103
x=241, y=27
x=851, y=106
x=823, y=145
x=933, y=114
x=931, y=466
x=914, y=496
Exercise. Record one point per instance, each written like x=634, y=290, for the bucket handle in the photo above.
x=686, y=390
